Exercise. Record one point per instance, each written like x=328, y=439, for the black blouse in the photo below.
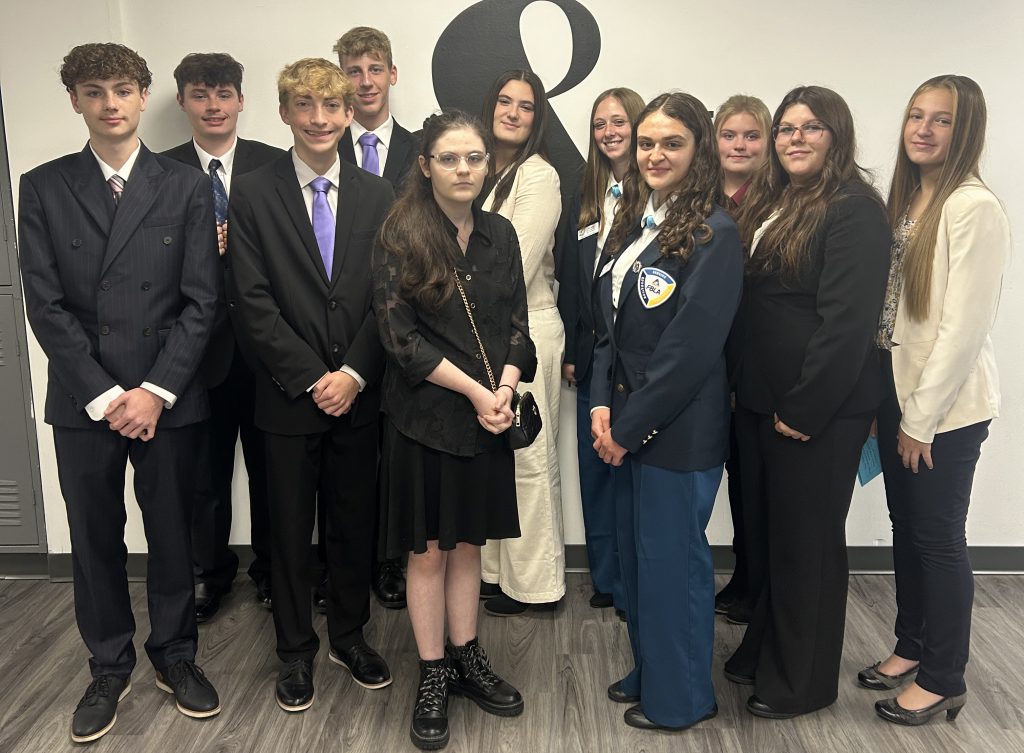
x=416, y=339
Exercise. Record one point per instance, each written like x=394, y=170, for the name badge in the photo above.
x=588, y=231
x=654, y=286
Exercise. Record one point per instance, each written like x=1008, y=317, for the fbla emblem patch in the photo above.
x=655, y=287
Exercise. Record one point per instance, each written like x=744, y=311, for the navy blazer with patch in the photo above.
x=662, y=370
x=119, y=295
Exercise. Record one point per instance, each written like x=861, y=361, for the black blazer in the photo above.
x=401, y=153
x=300, y=323
x=661, y=370
x=575, y=303
x=806, y=347
x=119, y=297
x=220, y=353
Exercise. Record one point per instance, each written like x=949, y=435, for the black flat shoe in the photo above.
x=872, y=679
x=738, y=678
x=503, y=605
x=601, y=600
x=617, y=694
x=473, y=677
x=97, y=711
x=368, y=668
x=294, y=688
x=635, y=717
x=489, y=590
x=891, y=711
x=389, y=584
x=757, y=707
x=429, y=727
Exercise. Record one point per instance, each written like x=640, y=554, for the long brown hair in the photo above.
x=967, y=141
x=787, y=242
x=595, y=176
x=415, y=229
x=535, y=143
x=688, y=209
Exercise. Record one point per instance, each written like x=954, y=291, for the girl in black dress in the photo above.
x=448, y=278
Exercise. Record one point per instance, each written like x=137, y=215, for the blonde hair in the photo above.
x=595, y=176
x=314, y=77
x=738, y=104
x=363, y=40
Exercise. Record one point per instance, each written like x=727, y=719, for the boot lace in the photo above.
x=433, y=690
x=478, y=668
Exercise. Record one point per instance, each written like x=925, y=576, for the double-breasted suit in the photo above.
x=659, y=365
x=120, y=296
x=229, y=379
x=303, y=324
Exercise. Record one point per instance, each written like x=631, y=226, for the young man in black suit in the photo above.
x=378, y=144
x=302, y=231
x=118, y=254
x=210, y=94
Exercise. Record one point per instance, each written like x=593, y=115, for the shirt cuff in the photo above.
x=169, y=398
x=598, y=407
x=354, y=374
x=310, y=387
x=99, y=404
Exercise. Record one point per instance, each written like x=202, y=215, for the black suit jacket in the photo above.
x=300, y=323
x=119, y=297
x=575, y=303
x=805, y=347
x=220, y=353
x=401, y=153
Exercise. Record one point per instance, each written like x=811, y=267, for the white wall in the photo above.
x=873, y=52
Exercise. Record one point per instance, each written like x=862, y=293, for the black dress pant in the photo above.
x=341, y=465
x=91, y=468
x=801, y=492
x=231, y=415
x=740, y=581
x=934, y=579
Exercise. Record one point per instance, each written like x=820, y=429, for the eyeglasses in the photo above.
x=450, y=160
x=810, y=131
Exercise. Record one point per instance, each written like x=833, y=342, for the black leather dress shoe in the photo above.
x=617, y=694
x=872, y=679
x=194, y=694
x=757, y=707
x=97, y=711
x=320, y=595
x=891, y=711
x=601, y=600
x=295, y=686
x=738, y=678
x=368, y=668
x=263, y=591
x=429, y=728
x=739, y=613
x=489, y=590
x=207, y=601
x=725, y=598
x=473, y=677
x=635, y=717
x=389, y=584
x=504, y=605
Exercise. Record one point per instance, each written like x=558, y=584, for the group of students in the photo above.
x=724, y=285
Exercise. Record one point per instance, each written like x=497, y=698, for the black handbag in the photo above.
x=526, y=424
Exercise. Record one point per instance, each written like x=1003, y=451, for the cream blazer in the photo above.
x=944, y=366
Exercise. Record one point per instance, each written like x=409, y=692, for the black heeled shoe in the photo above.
x=891, y=711
x=872, y=679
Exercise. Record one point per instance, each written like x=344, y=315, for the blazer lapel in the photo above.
x=345, y=149
x=647, y=257
x=86, y=182
x=348, y=198
x=140, y=191
x=243, y=153
x=398, y=155
x=291, y=197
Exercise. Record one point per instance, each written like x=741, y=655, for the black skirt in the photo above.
x=428, y=495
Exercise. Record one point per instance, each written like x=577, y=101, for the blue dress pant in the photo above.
x=668, y=581
x=934, y=578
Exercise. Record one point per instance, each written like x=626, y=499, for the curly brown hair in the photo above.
x=102, y=61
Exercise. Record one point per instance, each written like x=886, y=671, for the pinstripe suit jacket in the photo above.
x=119, y=297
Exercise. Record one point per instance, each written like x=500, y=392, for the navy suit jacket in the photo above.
x=401, y=153
x=119, y=297
x=575, y=302
x=661, y=370
x=220, y=353
x=300, y=323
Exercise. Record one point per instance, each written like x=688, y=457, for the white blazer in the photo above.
x=944, y=366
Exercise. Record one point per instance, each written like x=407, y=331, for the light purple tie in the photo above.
x=369, y=143
x=323, y=222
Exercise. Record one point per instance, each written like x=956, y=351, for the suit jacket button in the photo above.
x=620, y=388
x=147, y=332
x=76, y=243
x=469, y=277
x=146, y=285
x=104, y=330
x=105, y=285
x=332, y=304
x=335, y=348
x=167, y=240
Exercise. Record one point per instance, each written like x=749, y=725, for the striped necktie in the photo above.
x=116, y=184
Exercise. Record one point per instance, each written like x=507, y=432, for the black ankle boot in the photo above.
x=473, y=677
x=429, y=729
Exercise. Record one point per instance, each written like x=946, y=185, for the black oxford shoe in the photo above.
x=757, y=707
x=635, y=717
x=389, y=584
x=295, y=686
x=194, y=694
x=207, y=601
x=368, y=668
x=617, y=694
x=97, y=711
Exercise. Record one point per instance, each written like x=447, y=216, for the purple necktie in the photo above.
x=369, y=143
x=323, y=222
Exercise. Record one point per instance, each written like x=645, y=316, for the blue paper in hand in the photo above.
x=870, y=462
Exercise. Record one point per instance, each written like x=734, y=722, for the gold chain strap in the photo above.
x=472, y=323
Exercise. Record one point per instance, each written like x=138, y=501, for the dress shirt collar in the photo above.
x=124, y=171
x=658, y=214
x=383, y=132
x=479, y=227
x=226, y=160
x=307, y=174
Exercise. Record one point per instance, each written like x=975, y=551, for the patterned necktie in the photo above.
x=220, y=195
x=369, y=143
x=616, y=191
x=323, y=222
x=116, y=184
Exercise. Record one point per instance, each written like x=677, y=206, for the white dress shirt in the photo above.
x=98, y=405
x=227, y=161
x=624, y=261
x=383, y=134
